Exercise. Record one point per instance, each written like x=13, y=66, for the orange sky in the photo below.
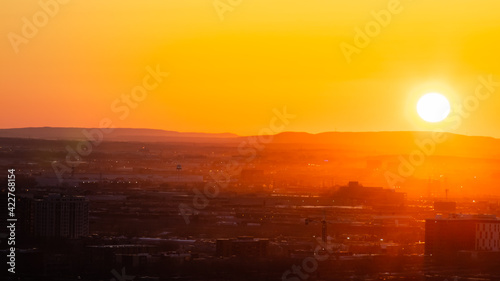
x=228, y=75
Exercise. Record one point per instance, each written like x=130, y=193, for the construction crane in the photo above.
x=323, y=226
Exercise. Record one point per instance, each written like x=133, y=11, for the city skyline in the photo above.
x=221, y=140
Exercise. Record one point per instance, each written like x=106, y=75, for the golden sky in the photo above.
x=229, y=70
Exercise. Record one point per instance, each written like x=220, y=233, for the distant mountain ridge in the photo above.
x=118, y=134
x=397, y=142
x=353, y=143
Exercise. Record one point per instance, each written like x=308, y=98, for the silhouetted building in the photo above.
x=355, y=193
x=242, y=247
x=57, y=216
x=445, y=207
x=446, y=237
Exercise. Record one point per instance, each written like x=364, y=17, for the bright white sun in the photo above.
x=433, y=107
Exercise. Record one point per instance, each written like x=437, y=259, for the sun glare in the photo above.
x=433, y=107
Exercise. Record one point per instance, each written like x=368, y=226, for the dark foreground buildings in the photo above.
x=55, y=216
x=243, y=246
x=460, y=235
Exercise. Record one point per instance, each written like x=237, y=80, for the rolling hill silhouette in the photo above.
x=360, y=143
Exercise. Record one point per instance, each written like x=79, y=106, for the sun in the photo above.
x=433, y=107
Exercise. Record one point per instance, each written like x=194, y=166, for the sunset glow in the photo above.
x=245, y=140
x=227, y=64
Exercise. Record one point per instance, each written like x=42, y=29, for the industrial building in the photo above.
x=447, y=237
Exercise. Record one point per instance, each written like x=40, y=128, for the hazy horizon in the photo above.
x=250, y=135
